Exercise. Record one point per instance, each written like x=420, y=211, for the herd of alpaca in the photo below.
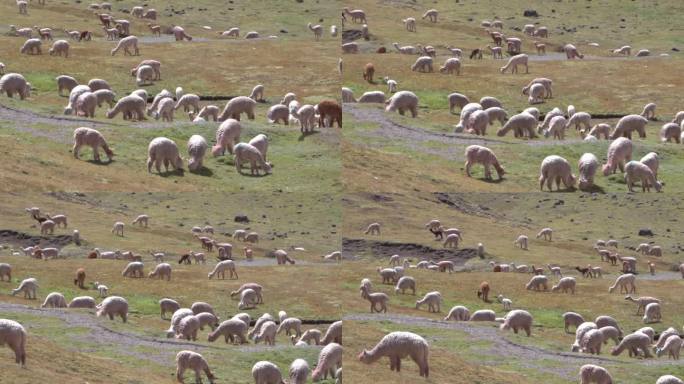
x=475, y=117
x=589, y=336
x=185, y=322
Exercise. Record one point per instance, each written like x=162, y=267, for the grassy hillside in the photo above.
x=402, y=172
x=296, y=206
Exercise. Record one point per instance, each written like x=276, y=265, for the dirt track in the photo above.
x=422, y=140
x=157, y=350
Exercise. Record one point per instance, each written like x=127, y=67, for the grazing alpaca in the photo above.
x=396, y=346
x=586, y=272
x=476, y=54
x=483, y=293
x=368, y=72
x=80, y=278
x=373, y=229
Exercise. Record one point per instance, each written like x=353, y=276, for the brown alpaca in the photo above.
x=498, y=40
x=382, y=50
x=585, y=271
x=497, y=268
x=483, y=293
x=537, y=271
x=185, y=259
x=368, y=72
x=612, y=258
x=80, y=278
x=476, y=54
x=92, y=255
x=85, y=35
x=207, y=243
x=330, y=108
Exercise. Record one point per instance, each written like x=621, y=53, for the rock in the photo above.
x=530, y=13
x=645, y=232
x=675, y=49
x=241, y=219
x=283, y=31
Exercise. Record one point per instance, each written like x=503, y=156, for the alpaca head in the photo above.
x=364, y=356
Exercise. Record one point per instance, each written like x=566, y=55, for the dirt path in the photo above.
x=416, y=252
x=421, y=139
x=536, y=358
x=157, y=350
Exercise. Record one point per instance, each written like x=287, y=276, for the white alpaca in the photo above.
x=628, y=124
x=192, y=360
x=246, y=153
x=348, y=95
x=299, y=371
x=564, y=285
x=82, y=302
x=161, y=270
x=458, y=313
x=396, y=346
x=28, y=287
x=433, y=300
x=571, y=52
x=590, y=373
x=451, y=65
x=12, y=83
x=521, y=241
x=372, y=97
x=54, y=300
x=652, y=313
x=619, y=152
x=329, y=361
x=423, y=64
x=514, y=62
x=637, y=171
x=127, y=43
x=410, y=24
x=671, y=132
x=518, y=319
x=522, y=124
x=220, y=270
x=133, y=269
x=14, y=335
x=113, y=305
x=236, y=106
x=197, y=147
x=118, y=228
x=265, y=372
x=163, y=150
x=626, y=283
x=401, y=102
x=556, y=168
x=538, y=282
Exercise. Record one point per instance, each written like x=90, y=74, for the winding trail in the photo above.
x=502, y=349
x=156, y=350
x=422, y=140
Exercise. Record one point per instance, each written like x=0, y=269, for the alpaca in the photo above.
x=398, y=345
x=368, y=72
x=373, y=229
x=513, y=63
x=483, y=292
x=626, y=283
x=92, y=138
